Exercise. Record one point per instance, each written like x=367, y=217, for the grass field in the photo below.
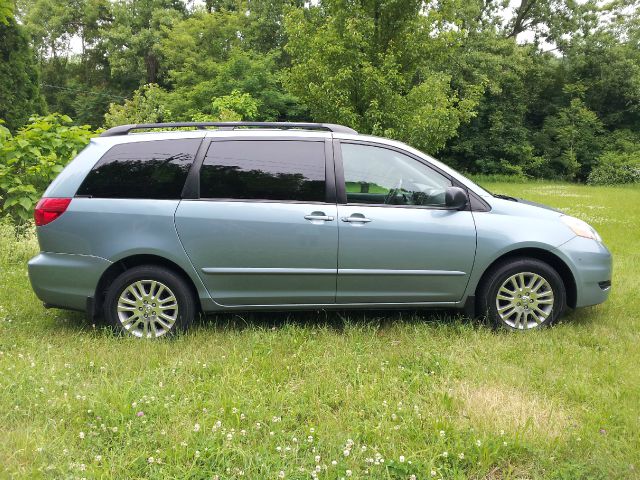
x=375, y=395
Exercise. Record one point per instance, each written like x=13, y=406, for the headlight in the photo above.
x=580, y=228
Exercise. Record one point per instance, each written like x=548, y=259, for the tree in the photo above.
x=32, y=158
x=572, y=138
x=373, y=65
x=19, y=91
x=148, y=105
x=209, y=59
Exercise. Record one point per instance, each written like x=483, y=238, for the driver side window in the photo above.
x=375, y=175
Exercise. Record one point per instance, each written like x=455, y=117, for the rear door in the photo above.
x=398, y=241
x=264, y=228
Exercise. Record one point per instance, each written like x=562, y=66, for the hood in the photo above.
x=522, y=208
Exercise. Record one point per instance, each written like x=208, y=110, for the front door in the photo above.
x=263, y=232
x=398, y=243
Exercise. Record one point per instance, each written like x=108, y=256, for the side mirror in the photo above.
x=456, y=198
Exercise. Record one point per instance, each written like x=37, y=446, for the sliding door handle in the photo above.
x=318, y=216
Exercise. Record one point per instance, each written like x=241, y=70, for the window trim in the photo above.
x=193, y=179
x=341, y=185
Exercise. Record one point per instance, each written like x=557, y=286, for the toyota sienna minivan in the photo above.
x=149, y=229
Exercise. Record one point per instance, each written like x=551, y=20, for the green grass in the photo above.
x=270, y=393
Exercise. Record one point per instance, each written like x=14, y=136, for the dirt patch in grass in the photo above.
x=499, y=407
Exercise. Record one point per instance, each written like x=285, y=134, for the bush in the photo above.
x=31, y=159
x=614, y=168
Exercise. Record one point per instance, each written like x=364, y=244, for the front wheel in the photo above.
x=149, y=301
x=522, y=294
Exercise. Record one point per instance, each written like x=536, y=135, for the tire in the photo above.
x=522, y=294
x=157, y=292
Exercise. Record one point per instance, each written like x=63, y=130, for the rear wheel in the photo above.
x=522, y=294
x=149, y=301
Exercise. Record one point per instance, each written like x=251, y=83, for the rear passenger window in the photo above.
x=155, y=169
x=264, y=170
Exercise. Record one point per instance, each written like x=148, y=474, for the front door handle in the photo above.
x=356, y=218
x=319, y=216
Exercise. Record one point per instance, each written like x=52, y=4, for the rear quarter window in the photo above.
x=151, y=170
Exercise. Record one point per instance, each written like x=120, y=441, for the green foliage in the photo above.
x=31, y=159
x=615, y=168
x=208, y=60
x=6, y=11
x=231, y=108
x=356, y=64
x=539, y=88
x=148, y=105
x=573, y=138
x=19, y=90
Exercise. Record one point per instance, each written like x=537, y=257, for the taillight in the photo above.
x=48, y=209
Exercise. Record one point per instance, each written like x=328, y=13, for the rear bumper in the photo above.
x=591, y=264
x=64, y=280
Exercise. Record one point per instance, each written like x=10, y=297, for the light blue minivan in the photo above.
x=148, y=229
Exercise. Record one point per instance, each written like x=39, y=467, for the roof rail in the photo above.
x=125, y=129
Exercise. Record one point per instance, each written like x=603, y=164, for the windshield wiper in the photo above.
x=505, y=197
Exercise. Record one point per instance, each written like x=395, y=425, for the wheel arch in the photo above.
x=546, y=256
x=126, y=263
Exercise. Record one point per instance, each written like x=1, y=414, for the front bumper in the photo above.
x=591, y=265
x=65, y=280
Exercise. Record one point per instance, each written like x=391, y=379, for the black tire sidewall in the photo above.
x=179, y=287
x=501, y=272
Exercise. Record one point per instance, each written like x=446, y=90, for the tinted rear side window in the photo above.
x=264, y=170
x=156, y=169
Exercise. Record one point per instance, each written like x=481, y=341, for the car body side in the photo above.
x=97, y=238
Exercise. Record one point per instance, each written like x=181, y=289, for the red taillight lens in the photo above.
x=48, y=209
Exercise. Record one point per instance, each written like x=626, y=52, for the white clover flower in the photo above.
x=197, y=453
x=478, y=443
x=334, y=463
x=504, y=444
x=150, y=459
x=445, y=454
x=98, y=458
x=442, y=433
x=461, y=456
x=433, y=473
x=346, y=452
x=318, y=468
x=281, y=474
x=401, y=459
x=196, y=427
x=81, y=435
x=310, y=438
x=349, y=473
x=312, y=430
x=317, y=459
x=278, y=449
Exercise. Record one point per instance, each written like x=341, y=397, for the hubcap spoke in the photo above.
x=524, y=300
x=147, y=309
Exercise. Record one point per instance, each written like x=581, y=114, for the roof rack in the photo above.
x=125, y=129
